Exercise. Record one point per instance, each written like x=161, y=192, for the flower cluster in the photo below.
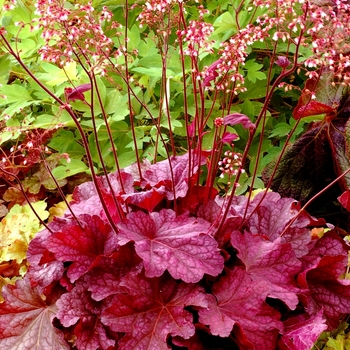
x=324, y=26
x=8, y=5
x=27, y=153
x=233, y=55
x=330, y=34
x=196, y=35
x=74, y=33
x=231, y=164
x=154, y=12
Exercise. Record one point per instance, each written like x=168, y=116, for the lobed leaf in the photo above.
x=82, y=244
x=236, y=300
x=178, y=244
x=301, y=332
x=152, y=310
x=77, y=306
x=274, y=263
x=26, y=320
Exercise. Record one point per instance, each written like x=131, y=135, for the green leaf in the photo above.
x=153, y=72
x=11, y=132
x=17, y=107
x=134, y=37
x=14, y=94
x=5, y=64
x=55, y=76
x=280, y=130
x=225, y=22
x=65, y=142
x=147, y=47
x=253, y=73
x=151, y=61
x=247, y=108
x=75, y=166
x=254, y=91
x=48, y=121
x=114, y=103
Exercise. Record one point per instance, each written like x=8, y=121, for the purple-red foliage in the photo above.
x=176, y=278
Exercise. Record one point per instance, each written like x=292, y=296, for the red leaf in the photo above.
x=271, y=219
x=77, y=93
x=228, y=137
x=77, y=306
x=178, y=244
x=344, y=200
x=104, y=279
x=328, y=245
x=195, y=198
x=272, y=262
x=159, y=175
x=151, y=310
x=87, y=201
x=26, y=320
x=238, y=300
x=323, y=266
x=327, y=290
x=282, y=61
x=82, y=245
x=301, y=332
x=312, y=108
x=239, y=118
x=147, y=199
x=320, y=95
x=211, y=73
x=44, y=268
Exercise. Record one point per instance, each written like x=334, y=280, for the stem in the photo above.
x=312, y=199
x=76, y=121
x=252, y=133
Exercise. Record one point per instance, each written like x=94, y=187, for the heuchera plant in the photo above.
x=152, y=255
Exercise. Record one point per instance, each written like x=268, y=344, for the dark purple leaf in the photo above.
x=151, y=310
x=178, y=244
x=306, y=167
